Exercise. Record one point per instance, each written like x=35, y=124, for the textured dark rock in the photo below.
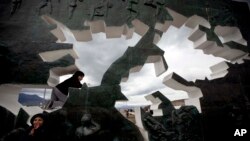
x=22, y=63
x=183, y=124
x=25, y=24
x=134, y=56
x=7, y=119
x=225, y=103
x=63, y=124
x=11, y=123
x=166, y=105
x=99, y=96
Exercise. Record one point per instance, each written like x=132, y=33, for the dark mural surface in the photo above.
x=23, y=34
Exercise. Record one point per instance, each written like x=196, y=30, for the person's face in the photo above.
x=38, y=121
x=80, y=78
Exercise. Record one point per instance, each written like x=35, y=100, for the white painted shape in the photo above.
x=178, y=19
x=222, y=66
x=82, y=35
x=138, y=123
x=157, y=112
x=227, y=34
x=195, y=21
x=140, y=27
x=51, y=56
x=96, y=26
x=195, y=102
x=114, y=31
x=163, y=27
x=218, y=74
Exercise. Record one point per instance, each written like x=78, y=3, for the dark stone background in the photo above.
x=225, y=105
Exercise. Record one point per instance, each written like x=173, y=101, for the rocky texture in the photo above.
x=100, y=96
x=23, y=24
x=133, y=58
x=7, y=121
x=10, y=122
x=175, y=124
x=22, y=21
x=225, y=103
x=22, y=63
x=113, y=126
x=70, y=122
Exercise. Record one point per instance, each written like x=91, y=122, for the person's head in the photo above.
x=37, y=120
x=79, y=75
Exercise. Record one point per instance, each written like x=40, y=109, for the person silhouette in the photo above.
x=59, y=93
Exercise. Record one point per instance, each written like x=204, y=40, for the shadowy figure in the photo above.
x=45, y=3
x=101, y=9
x=88, y=126
x=36, y=132
x=72, y=7
x=60, y=92
x=16, y=4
